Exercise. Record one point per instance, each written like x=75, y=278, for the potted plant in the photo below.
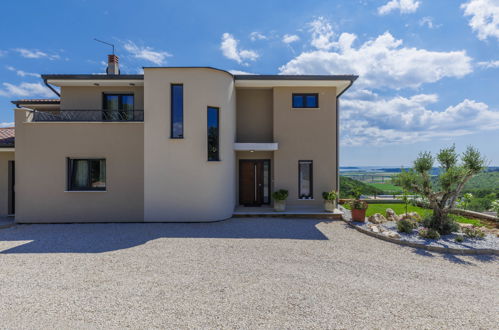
x=279, y=197
x=329, y=200
x=358, y=207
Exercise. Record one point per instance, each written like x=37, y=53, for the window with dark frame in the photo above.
x=86, y=174
x=177, y=111
x=310, y=100
x=305, y=179
x=213, y=134
x=118, y=107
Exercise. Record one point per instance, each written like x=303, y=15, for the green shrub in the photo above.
x=429, y=233
x=459, y=238
x=280, y=195
x=357, y=204
x=405, y=226
x=444, y=227
x=330, y=195
x=473, y=233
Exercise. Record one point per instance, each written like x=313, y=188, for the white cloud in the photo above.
x=22, y=73
x=290, y=38
x=428, y=22
x=146, y=53
x=322, y=34
x=257, y=36
x=25, y=90
x=239, y=72
x=489, y=64
x=229, y=47
x=35, y=53
x=379, y=121
x=484, y=17
x=381, y=63
x=404, y=6
x=7, y=124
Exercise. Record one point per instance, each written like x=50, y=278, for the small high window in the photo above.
x=177, y=111
x=305, y=179
x=305, y=100
x=213, y=134
x=86, y=174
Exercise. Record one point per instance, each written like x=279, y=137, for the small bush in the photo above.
x=473, y=233
x=280, y=194
x=459, y=239
x=357, y=204
x=405, y=226
x=429, y=233
x=330, y=195
x=444, y=227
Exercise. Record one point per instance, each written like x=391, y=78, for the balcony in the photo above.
x=88, y=116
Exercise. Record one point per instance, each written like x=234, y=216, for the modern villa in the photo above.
x=173, y=144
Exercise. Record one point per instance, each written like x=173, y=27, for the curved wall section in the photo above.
x=180, y=184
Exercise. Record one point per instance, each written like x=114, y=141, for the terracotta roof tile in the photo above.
x=37, y=101
x=7, y=137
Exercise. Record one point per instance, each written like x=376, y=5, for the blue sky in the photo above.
x=429, y=70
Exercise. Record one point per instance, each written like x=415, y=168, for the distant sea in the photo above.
x=391, y=169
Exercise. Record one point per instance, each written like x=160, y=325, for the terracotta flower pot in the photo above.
x=359, y=215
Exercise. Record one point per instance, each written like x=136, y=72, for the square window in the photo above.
x=86, y=174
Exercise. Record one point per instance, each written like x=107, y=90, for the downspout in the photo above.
x=51, y=88
x=338, y=135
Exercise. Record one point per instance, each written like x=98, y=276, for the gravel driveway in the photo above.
x=240, y=273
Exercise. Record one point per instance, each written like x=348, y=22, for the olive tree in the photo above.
x=455, y=171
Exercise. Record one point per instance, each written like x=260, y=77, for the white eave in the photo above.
x=273, y=146
x=96, y=82
x=3, y=149
x=340, y=85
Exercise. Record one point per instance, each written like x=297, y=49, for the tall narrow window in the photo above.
x=213, y=134
x=305, y=179
x=118, y=107
x=177, y=111
x=86, y=174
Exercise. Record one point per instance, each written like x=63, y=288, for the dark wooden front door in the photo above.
x=254, y=178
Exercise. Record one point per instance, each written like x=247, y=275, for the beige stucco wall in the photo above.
x=41, y=173
x=90, y=98
x=305, y=134
x=254, y=115
x=5, y=157
x=180, y=184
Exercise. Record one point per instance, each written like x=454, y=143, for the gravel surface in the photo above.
x=240, y=273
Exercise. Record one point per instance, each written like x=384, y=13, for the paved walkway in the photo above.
x=241, y=273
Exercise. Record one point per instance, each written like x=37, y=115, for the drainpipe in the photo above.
x=51, y=88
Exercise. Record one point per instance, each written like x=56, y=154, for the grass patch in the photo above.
x=400, y=208
x=387, y=187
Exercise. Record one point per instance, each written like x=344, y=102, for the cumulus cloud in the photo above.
x=35, y=53
x=257, y=36
x=229, y=47
x=7, y=124
x=146, y=53
x=489, y=64
x=25, y=90
x=484, y=17
x=290, y=38
x=377, y=121
x=403, y=6
x=381, y=63
x=22, y=73
x=322, y=34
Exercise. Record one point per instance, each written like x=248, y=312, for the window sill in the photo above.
x=305, y=108
x=85, y=191
x=176, y=138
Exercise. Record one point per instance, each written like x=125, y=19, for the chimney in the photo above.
x=112, y=65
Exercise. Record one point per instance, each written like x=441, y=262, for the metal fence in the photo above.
x=88, y=115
